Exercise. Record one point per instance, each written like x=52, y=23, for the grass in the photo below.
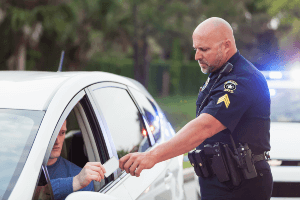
x=186, y=164
x=179, y=110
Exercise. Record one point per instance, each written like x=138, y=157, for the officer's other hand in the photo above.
x=91, y=171
x=134, y=163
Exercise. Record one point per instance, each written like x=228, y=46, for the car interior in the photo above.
x=79, y=148
x=79, y=145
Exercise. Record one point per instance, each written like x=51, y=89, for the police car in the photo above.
x=284, y=89
x=115, y=115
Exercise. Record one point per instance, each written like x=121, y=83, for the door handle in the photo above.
x=168, y=177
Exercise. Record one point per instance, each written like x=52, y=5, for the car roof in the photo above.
x=281, y=80
x=34, y=90
x=283, y=84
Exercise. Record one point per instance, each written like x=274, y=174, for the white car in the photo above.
x=284, y=134
x=115, y=115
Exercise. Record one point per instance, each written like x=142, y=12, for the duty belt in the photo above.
x=259, y=157
x=219, y=160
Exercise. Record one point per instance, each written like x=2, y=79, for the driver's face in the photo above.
x=56, y=150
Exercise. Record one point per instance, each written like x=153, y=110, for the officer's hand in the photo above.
x=91, y=171
x=134, y=163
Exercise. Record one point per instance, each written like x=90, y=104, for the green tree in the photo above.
x=25, y=22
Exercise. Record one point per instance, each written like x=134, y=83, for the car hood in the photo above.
x=285, y=140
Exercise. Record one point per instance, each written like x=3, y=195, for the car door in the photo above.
x=95, y=149
x=126, y=130
x=170, y=183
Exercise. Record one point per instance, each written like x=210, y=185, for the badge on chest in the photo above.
x=205, y=84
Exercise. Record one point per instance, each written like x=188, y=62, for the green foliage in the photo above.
x=288, y=13
x=156, y=71
x=225, y=9
x=186, y=164
x=179, y=109
x=122, y=153
x=104, y=30
x=255, y=6
x=188, y=80
x=57, y=19
x=286, y=10
x=175, y=68
x=20, y=17
x=191, y=78
x=277, y=6
x=33, y=57
x=115, y=65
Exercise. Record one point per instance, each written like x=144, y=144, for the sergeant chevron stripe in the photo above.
x=224, y=98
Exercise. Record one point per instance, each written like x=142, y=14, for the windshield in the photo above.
x=285, y=105
x=18, y=129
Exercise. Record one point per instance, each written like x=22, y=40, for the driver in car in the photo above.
x=67, y=177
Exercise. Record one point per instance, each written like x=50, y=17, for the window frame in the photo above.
x=155, y=108
x=73, y=102
x=60, y=122
x=104, y=127
x=82, y=99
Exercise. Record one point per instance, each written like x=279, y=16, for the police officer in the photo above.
x=236, y=102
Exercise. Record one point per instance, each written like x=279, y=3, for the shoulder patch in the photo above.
x=230, y=86
x=224, y=98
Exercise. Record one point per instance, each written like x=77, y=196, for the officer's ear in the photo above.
x=227, y=45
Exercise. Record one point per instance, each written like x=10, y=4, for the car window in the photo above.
x=285, y=105
x=79, y=147
x=151, y=113
x=18, y=129
x=123, y=119
x=74, y=149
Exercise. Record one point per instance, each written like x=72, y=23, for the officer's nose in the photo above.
x=198, y=55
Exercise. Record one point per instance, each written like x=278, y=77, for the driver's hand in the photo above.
x=91, y=171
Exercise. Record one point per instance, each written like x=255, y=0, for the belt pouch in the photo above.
x=191, y=156
x=232, y=166
x=203, y=163
x=247, y=167
x=219, y=164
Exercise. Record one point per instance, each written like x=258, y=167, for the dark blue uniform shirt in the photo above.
x=240, y=100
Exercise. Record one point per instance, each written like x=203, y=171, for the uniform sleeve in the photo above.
x=62, y=187
x=229, y=101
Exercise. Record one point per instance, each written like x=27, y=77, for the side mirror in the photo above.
x=89, y=195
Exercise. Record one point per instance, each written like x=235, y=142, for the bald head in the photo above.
x=216, y=29
x=215, y=35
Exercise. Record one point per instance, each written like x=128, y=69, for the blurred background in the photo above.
x=147, y=40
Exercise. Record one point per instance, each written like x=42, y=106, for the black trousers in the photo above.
x=259, y=188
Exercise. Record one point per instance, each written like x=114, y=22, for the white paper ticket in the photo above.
x=110, y=166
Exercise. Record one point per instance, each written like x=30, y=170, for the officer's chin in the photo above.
x=204, y=71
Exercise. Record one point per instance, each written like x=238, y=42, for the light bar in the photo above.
x=275, y=75
x=272, y=92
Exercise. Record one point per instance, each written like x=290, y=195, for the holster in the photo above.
x=232, y=166
x=227, y=166
x=199, y=162
x=218, y=161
